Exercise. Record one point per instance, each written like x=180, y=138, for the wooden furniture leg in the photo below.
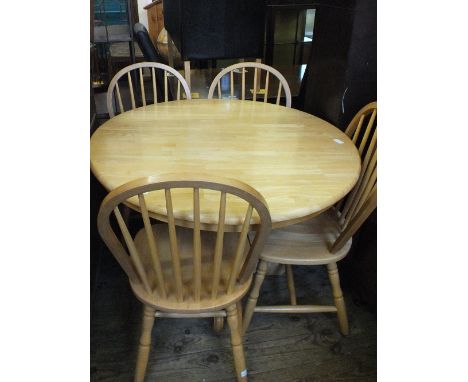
x=187, y=73
x=145, y=343
x=338, y=298
x=239, y=315
x=236, y=342
x=218, y=324
x=253, y=297
x=291, y=288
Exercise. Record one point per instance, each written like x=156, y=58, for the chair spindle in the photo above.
x=370, y=150
x=165, y=87
x=278, y=97
x=267, y=77
x=358, y=189
x=243, y=84
x=370, y=185
x=155, y=258
x=240, y=250
x=119, y=98
x=132, y=249
x=358, y=129
x=218, y=253
x=197, y=262
x=232, y=84
x=255, y=85
x=155, y=89
x=367, y=132
x=354, y=223
x=142, y=86
x=364, y=187
x=130, y=86
x=174, y=248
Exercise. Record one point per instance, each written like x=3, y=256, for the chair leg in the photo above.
x=218, y=324
x=291, y=288
x=236, y=342
x=338, y=297
x=145, y=343
x=253, y=297
x=239, y=315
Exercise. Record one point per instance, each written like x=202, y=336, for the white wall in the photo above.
x=142, y=13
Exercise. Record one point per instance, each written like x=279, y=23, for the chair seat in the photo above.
x=185, y=246
x=306, y=243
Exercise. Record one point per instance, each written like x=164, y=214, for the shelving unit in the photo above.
x=112, y=21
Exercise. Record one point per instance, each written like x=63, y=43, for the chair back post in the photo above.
x=353, y=128
x=114, y=85
x=362, y=200
x=241, y=266
x=283, y=84
x=356, y=222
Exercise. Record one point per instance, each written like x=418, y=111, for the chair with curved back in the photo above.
x=138, y=94
x=258, y=68
x=360, y=138
x=181, y=272
x=327, y=238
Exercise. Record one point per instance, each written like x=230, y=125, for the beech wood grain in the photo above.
x=301, y=164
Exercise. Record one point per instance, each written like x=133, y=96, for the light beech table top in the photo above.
x=301, y=164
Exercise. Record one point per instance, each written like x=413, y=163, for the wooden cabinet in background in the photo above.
x=155, y=19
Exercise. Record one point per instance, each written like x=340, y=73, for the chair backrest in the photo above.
x=194, y=287
x=362, y=200
x=137, y=72
x=258, y=67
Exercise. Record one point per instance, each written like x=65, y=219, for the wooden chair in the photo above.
x=187, y=272
x=135, y=73
x=258, y=67
x=327, y=238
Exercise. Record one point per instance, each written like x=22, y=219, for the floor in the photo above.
x=296, y=348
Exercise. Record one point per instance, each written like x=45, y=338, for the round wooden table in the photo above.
x=301, y=164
